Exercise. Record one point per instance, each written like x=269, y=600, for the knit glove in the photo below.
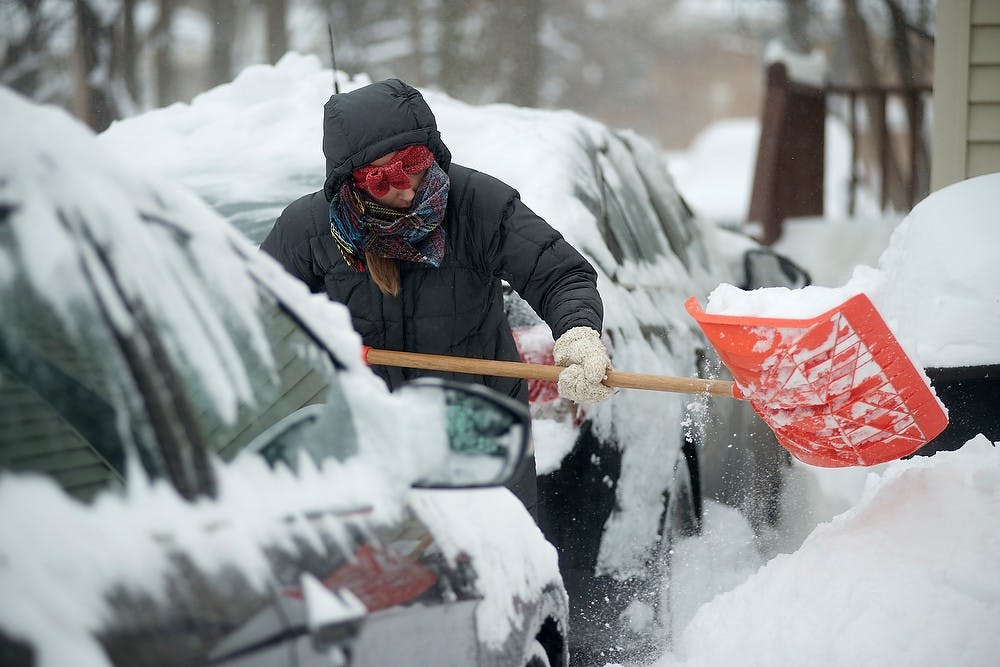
x=586, y=360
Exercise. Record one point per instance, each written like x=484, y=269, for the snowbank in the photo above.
x=908, y=576
x=935, y=284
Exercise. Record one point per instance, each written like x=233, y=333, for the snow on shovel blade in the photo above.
x=837, y=389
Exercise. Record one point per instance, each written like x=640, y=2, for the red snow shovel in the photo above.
x=837, y=389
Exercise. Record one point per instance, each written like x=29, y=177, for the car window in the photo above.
x=321, y=431
x=626, y=209
x=252, y=218
x=54, y=417
x=673, y=214
x=65, y=409
x=79, y=389
x=641, y=216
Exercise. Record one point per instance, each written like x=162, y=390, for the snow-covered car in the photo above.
x=615, y=481
x=620, y=483
x=197, y=468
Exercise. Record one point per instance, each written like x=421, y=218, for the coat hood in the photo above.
x=362, y=125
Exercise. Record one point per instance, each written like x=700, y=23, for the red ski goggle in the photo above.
x=408, y=161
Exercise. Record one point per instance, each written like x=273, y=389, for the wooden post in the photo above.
x=853, y=116
x=882, y=141
x=788, y=176
x=763, y=200
x=914, y=117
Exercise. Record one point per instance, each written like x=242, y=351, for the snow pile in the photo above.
x=220, y=151
x=829, y=249
x=908, y=576
x=934, y=285
x=715, y=173
x=941, y=273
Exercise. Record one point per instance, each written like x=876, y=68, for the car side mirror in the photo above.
x=487, y=434
x=483, y=434
x=766, y=268
x=282, y=442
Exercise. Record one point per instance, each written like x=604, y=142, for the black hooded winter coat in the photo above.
x=490, y=235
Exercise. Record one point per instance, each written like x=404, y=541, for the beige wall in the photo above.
x=966, y=91
x=701, y=86
x=688, y=86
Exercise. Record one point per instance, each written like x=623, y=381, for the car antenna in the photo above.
x=333, y=58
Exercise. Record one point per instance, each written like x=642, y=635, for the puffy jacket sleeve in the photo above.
x=544, y=269
x=290, y=241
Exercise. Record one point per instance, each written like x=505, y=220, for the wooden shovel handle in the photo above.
x=526, y=371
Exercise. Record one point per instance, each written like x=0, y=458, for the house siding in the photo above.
x=983, y=155
x=966, y=91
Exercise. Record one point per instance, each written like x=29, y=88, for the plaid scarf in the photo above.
x=358, y=224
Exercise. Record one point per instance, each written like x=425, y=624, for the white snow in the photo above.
x=225, y=136
x=715, y=174
x=831, y=248
x=324, y=606
x=899, y=561
x=908, y=575
x=44, y=185
x=484, y=519
x=941, y=275
x=554, y=440
x=714, y=13
x=807, y=68
x=934, y=284
x=128, y=540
